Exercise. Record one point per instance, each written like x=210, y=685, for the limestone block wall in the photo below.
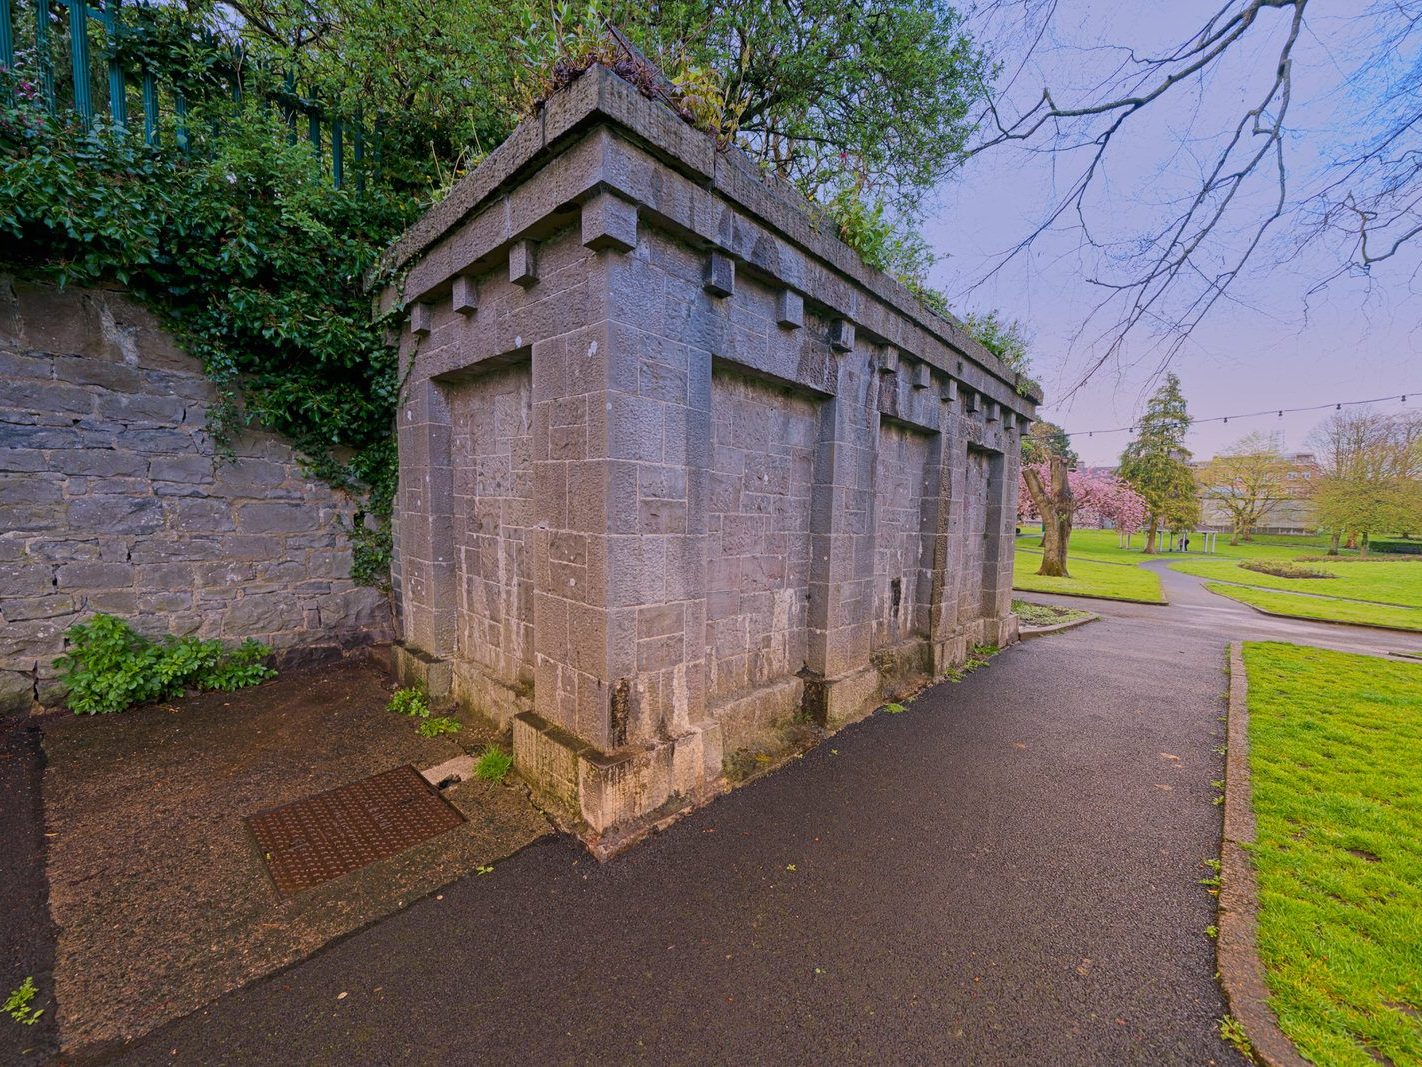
x=112, y=499
x=739, y=477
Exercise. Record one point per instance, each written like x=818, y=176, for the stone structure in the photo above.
x=675, y=465
x=112, y=500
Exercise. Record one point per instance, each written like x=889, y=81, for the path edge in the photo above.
x=1237, y=947
x=1302, y=618
x=1025, y=632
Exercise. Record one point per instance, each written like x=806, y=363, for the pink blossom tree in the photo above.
x=1058, y=496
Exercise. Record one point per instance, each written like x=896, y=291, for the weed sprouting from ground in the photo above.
x=437, y=726
x=17, y=1004
x=1232, y=1030
x=410, y=701
x=493, y=764
x=415, y=703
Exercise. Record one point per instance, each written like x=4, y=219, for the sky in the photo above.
x=1264, y=349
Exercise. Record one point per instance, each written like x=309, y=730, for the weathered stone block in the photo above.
x=523, y=263
x=421, y=317
x=277, y=518
x=464, y=297
x=841, y=335
x=720, y=275
x=789, y=309
x=116, y=514
x=190, y=469
x=609, y=221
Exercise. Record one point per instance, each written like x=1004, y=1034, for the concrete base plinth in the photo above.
x=416, y=668
x=613, y=800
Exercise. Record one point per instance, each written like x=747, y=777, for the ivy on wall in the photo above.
x=250, y=256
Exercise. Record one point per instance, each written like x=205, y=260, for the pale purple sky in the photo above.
x=1258, y=352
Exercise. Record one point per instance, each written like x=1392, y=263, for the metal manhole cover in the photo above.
x=313, y=840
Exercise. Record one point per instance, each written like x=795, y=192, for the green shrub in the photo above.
x=251, y=258
x=109, y=667
x=1282, y=569
x=493, y=764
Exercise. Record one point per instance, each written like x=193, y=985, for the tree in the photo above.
x=1248, y=480
x=1157, y=463
x=1262, y=167
x=1049, y=489
x=1371, y=475
x=1056, y=495
x=874, y=101
x=1046, y=439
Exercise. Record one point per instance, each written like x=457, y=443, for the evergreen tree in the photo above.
x=1157, y=463
x=1047, y=439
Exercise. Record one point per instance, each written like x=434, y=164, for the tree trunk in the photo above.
x=1150, y=538
x=1333, y=542
x=1055, y=505
x=1363, y=545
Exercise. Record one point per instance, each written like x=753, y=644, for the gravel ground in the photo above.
x=160, y=895
x=26, y=934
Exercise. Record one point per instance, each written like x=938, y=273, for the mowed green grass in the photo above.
x=1397, y=582
x=1096, y=559
x=1322, y=609
x=1089, y=577
x=1336, y=766
x=1105, y=545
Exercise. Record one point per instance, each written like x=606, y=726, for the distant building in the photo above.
x=1293, y=511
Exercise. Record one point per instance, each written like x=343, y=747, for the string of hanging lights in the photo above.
x=1278, y=412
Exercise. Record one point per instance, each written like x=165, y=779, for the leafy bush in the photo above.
x=1282, y=569
x=1400, y=548
x=410, y=701
x=493, y=764
x=109, y=667
x=251, y=258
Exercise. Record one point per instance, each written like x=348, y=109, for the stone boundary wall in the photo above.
x=675, y=466
x=112, y=499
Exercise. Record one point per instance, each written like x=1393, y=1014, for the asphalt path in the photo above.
x=1009, y=872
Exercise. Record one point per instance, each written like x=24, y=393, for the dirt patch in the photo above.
x=158, y=890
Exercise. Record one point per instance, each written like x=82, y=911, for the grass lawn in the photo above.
x=1104, y=545
x=1089, y=577
x=1324, y=609
x=1397, y=582
x=1336, y=765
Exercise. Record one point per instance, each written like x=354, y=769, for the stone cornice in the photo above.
x=603, y=129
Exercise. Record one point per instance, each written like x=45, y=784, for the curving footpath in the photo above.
x=1008, y=873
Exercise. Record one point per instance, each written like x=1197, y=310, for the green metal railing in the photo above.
x=326, y=131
